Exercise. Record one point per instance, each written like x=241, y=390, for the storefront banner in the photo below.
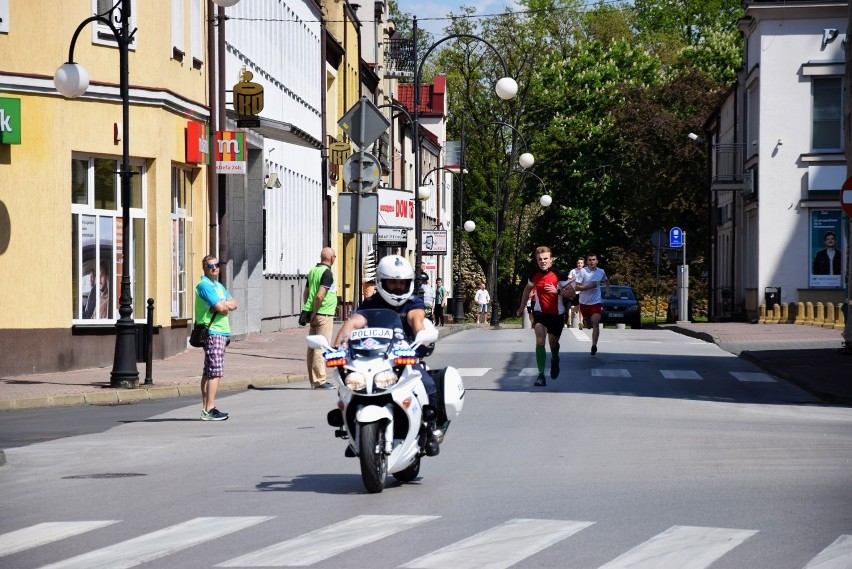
x=826, y=250
x=197, y=142
x=396, y=208
x=230, y=152
x=10, y=121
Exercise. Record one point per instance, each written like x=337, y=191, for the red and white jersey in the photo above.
x=548, y=302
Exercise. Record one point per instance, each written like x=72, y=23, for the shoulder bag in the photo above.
x=198, y=337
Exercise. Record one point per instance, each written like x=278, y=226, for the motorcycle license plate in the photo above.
x=616, y=315
x=372, y=333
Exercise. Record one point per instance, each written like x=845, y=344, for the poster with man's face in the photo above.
x=827, y=249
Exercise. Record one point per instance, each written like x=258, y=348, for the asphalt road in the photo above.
x=660, y=452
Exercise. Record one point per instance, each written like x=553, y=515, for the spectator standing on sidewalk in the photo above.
x=588, y=285
x=548, y=311
x=482, y=298
x=212, y=305
x=440, y=302
x=320, y=299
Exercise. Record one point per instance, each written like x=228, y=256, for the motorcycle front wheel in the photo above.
x=410, y=473
x=374, y=462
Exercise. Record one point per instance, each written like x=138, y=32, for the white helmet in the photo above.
x=394, y=267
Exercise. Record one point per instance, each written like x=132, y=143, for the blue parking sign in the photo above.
x=675, y=237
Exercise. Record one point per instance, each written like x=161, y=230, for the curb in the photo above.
x=117, y=397
x=826, y=396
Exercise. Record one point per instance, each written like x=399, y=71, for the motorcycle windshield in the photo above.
x=383, y=329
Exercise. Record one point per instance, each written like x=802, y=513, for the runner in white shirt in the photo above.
x=588, y=285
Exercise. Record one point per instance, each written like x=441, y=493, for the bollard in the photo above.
x=829, y=315
x=809, y=314
x=762, y=310
x=776, y=314
x=839, y=318
x=149, y=348
x=527, y=325
x=819, y=314
x=800, y=313
x=785, y=313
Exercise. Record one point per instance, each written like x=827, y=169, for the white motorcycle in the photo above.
x=383, y=409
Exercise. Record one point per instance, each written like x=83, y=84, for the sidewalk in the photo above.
x=808, y=357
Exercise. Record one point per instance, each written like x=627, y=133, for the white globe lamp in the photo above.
x=469, y=226
x=545, y=200
x=506, y=88
x=424, y=192
x=71, y=80
x=526, y=160
x=225, y=3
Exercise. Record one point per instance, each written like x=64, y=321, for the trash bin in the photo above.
x=772, y=296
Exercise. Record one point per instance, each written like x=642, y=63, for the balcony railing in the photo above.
x=728, y=163
x=399, y=57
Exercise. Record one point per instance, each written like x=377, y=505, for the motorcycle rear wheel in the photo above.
x=374, y=462
x=410, y=473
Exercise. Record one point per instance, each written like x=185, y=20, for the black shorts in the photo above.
x=553, y=322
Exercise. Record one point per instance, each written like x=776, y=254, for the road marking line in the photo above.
x=579, y=335
x=838, y=555
x=473, y=371
x=158, y=544
x=753, y=376
x=681, y=547
x=501, y=546
x=42, y=534
x=529, y=371
x=326, y=542
x=680, y=374
x=606, y=372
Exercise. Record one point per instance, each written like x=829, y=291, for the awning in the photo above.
x=283, y=131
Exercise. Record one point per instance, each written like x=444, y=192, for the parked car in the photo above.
x=621, y=305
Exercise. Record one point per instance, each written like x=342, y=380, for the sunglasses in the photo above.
x=212, y=266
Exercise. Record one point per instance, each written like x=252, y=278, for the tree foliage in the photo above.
x=607, y=95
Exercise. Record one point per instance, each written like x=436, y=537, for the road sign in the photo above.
x=364, y=132
x=675, y=237
x=846, y=196
x=658, y=239
x=361, y=172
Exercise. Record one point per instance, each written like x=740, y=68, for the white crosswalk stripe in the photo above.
x=327, y=542
x=680, y=374
x=500, y=547
x=607, y=372
x=473, y=371
x=750, y=376
x=838, y=555
x=529, y=371
x=48, y=532
x=158, y=544
x=681, y=547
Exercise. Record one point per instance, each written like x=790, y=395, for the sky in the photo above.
x=425, y=9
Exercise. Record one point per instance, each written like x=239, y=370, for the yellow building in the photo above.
x=60, y=204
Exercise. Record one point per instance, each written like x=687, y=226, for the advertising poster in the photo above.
x=827, y=249
x=96, y=237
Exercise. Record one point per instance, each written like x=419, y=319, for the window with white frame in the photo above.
x=827, y=113
x=181, y=221
x=101, y=33
x=96, y=237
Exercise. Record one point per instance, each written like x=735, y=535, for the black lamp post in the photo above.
x=72, y=80
x=525, y=160
x=458, y=310
x=506, y=88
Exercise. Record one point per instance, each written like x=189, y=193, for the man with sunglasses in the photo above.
x=212, y=305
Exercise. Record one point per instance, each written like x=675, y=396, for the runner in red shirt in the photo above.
x=548, y=311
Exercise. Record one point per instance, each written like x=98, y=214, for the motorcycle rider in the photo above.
x=395, y=285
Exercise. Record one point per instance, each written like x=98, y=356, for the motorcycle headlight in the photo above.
x=356, y=381
x=385, y=379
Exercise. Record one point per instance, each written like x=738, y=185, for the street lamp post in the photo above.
x=506, y=88
x=458, y=310
x=72, y=80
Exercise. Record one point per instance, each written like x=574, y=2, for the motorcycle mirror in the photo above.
x=317, y=342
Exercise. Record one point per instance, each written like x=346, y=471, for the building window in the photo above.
x=827, y=125
x=181, y=220
x=102, y=34
x=96, y=222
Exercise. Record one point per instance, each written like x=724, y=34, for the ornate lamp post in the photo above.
x=506, y=88
x=72, y=80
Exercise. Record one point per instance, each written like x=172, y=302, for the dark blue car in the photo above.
x=621, y=306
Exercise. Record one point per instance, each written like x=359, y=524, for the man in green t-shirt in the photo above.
x=320, y=300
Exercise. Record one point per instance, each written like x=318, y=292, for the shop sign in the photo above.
x=230, y=152
x=197, y=142
x=10, y=121
x=396, y=208
x=392, y=236
x=434, y=242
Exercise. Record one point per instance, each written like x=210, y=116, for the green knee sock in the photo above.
x=540, y=356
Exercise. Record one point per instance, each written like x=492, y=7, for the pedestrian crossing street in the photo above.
x=676, y=374
x=499, y=547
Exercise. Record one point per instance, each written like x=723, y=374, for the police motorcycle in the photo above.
x=383, y=410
